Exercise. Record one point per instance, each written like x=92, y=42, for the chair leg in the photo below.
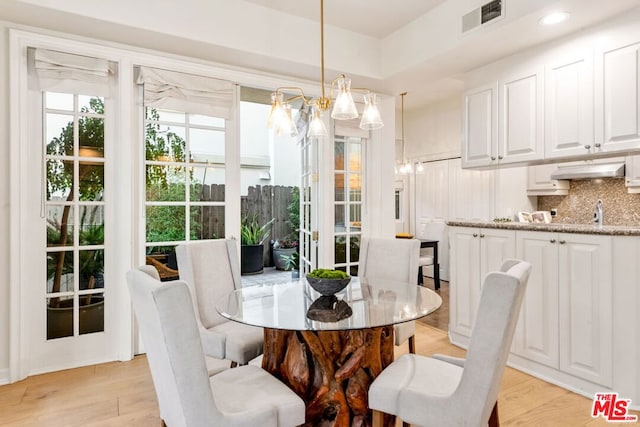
x=494, y=421
x=420, y=276
x=378, y=419
x=412, y=344
x=234, y=364
x=163, y=423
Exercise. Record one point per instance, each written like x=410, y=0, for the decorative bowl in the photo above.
x=328, y=286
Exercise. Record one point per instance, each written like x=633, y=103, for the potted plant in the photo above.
x=282, y=249
x=252, y=237
x=291, y=262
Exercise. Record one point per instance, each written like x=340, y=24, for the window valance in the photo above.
x=186, y=92
x=70, y=73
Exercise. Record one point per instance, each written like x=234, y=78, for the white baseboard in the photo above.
x=4, y=376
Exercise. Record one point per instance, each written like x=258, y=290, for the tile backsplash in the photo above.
x=620, y=207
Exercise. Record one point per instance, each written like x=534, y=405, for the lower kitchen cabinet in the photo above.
x=566, y=319
x=473, y=253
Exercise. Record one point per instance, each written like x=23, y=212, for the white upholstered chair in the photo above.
x=187, y=396
x=211, y=270
x=446, y=391
x=214, y=364
x=392, y=259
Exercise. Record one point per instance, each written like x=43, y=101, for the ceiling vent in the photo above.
x=482, y=15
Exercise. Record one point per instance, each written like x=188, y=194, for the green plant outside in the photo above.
x=252, y=233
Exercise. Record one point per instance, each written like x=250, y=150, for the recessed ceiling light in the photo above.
x=554, y=18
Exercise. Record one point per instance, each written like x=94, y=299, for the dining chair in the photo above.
x=392, y=259
x=187, y=396
x=211, y=270
x=214, y=364
x=441, y=390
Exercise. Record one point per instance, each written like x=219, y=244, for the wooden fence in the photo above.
x=265, y=202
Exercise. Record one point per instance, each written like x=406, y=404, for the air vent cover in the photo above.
x=482, y=15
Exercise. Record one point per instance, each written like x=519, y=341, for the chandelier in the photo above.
x=344, y=107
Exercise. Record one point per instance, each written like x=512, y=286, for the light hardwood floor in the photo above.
x=121, y=394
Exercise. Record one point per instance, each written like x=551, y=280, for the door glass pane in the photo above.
x=59, y=134
x=165, y=143
x=207, y=184
x=340, y=249
x=91, y=265
x=355, y=187
x=339, y=158
x=60, y=272
x=59, y=179
x=60, y=317
x=206, y=146
x=59, y=225
x=196, y=119
x=165, y=183
x=91, y=317
x=91, y=135
x=207, y=222
x=355, y=157
x=166, y=224
x=91, y=225
x=59, y=101
x=339, y=187
x=91, y=182
x=340, y=219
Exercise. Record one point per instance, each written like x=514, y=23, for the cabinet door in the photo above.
x=617, y=101
x=569, y=106
x=536, y=336
x=521, y=117
x=495, y=247
x=632, y=173
x=464, y=287
x=585, y=297
x=539, y=181
x=479, y=126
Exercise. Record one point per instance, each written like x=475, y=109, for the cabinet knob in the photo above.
x=552, y=240
x=597, y=145
x=493, y=157
x=500, y=157
x=562, y=242
x=587, y=146
x=482, y=235
x=475, y=234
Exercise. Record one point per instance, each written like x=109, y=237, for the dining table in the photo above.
x=329, y=348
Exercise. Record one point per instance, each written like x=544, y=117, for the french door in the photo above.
x=68, y=195
x=309, y=205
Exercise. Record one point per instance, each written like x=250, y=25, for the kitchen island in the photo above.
x=579, y=326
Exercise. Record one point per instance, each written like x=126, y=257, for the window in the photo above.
x=348, y=201
x=74, y=205
x=185, y=180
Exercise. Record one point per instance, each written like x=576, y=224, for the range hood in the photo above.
x=588, y=171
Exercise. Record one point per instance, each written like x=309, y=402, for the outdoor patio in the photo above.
x=268, y=277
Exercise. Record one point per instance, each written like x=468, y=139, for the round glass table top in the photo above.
x=364, y=303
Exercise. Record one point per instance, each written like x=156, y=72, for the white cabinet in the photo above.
x=536, y=336
x=569, y=105
x=503, y=122
x=632, y=174
x=539, y=182
x=585, y=307
x=521, y=120
x=617, y=100
x=566, y=319
x=479, y=143
x=473, y=253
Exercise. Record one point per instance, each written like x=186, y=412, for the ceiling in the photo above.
x=374, y=18
x=391, y=47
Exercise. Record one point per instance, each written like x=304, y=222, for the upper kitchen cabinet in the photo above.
x=480, y=113
x=569, y=105
x=521, y=119
x=503, y=122
x=617, y=94
x=539, y=182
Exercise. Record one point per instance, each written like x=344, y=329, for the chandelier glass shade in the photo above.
x=406, y=168
x=344, y=107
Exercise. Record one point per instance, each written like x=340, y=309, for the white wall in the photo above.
x=4, y=205
x=433, y=132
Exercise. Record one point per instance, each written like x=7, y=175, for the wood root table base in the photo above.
x=330, y=370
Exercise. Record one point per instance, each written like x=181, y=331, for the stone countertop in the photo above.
x=610, y=230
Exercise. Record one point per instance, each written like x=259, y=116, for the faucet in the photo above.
x=598, y=214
